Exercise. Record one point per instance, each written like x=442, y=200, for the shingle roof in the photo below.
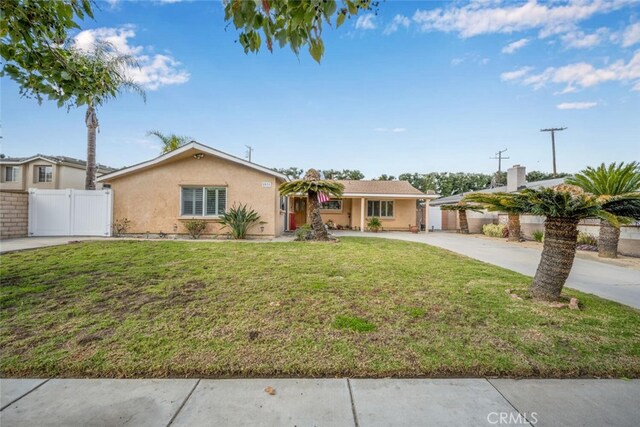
x=379, y=187
x=55, y=159
x=534, y=184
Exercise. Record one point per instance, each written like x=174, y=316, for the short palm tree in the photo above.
x=606, y=181
x=311, y=186
x=564, y=206
x=500, y=202
x=462, y=208
x=170, y=141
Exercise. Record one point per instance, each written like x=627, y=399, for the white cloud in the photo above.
x=631, y=35
x=580, y=40
x=155, y=70
x=397, y=22
x=581, y=75
x=490, y=17
x=512, y=47
x=393, y=130
x=576, y=105
x=398, y=130
x=516, y=74
x=366, y=22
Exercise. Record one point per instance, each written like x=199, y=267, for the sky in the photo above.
x=419, y=86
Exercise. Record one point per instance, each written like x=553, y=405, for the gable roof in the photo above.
x=69, y=161
x=196, y=146
x=396, y=189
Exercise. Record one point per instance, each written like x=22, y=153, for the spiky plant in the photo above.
x=607, y=181
x=500, y=202
x=169, y=141
x=311, y=185
x=238, y=219
x=462, y=208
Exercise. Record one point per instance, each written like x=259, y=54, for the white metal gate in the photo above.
x=70, y=212
x=435, y=218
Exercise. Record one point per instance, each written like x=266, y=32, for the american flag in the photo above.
x=322, y=198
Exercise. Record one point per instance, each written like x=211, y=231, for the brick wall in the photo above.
x=14, y=215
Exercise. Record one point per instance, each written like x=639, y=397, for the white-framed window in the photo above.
x=203, y=201
x=44, y=173
x=332, y=205
x=380, y=208
x=10, y=174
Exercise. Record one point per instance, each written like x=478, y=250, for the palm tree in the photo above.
x=603, y=181
x=312, y=186
x=462, y=208
x=170, y=141
x=564, y=206
x=500, y=202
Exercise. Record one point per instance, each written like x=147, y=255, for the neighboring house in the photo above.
x=393, y=202
x=44, y=172
x=196, y=182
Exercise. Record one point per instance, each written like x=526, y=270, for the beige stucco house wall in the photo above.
x=149, y=194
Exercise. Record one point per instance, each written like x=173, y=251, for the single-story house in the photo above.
x=45, y=172
x=195, y=182
x=393, y=202
x=199, y=182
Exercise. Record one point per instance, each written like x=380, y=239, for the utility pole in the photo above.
x=249, y=151
x=500, y=159
x=553, y=145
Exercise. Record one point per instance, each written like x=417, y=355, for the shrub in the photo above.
x=538, y=236
x=493, y=230
x=239, y=218
x=195, y=227
x=120, y=226
x=587, y=239
x=331, y=225
x=304, y=232
x=374, y=224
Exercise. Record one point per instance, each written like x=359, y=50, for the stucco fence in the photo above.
x=14, y=214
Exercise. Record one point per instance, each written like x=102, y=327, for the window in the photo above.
x=10, y=174
x=333, y=205
x=283, y=203
x=381, y=208
x=44, y=173
x=203, y=201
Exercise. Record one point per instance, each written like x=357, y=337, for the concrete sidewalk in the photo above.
x=319, y=402
x=600, y=278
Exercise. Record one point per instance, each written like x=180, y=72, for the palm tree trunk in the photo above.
x=558, y=252
x=608, y=240
x=316, y=220
x=464, y=224
x=514, y=228
x=91, y=120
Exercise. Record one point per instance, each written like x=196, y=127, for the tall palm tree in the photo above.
x=462, y=208
x=170, y=141
x=311, y=186
x=607, y=181
x=500, y=202
x=564, y=206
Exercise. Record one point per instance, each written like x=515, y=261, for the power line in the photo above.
x=500, y=158
x=553, y=145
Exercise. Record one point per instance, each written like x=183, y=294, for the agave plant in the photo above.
x=239, y=218
x=311, y=186
x=609, y=182
x=462, y=208
x=500, y=202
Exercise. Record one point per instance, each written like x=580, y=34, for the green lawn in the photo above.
x=360, y=307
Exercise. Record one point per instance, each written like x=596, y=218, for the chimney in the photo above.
x=516, y=177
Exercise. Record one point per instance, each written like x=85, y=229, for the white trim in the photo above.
x=204, y=201
x=195, y=146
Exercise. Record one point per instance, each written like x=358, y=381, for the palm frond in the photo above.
x=611, y=180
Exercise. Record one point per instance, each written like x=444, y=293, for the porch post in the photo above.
x=362, y=215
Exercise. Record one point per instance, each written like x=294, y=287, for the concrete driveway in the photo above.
x=605, y=280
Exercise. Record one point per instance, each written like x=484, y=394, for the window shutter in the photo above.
x=211, y=201
x=199, y=201
x=187, y=201
x=222, y=201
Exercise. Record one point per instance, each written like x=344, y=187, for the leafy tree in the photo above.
x=603, y=181
x=344, y=174
x=417, y=180
x=385, y=177
x=291, y=173
x=170, y=141
x=293, y=23
x=500, y=202
x=448, y=183
x=462, y=209
x=534, y=176
x=312, y=185
x=564, y=206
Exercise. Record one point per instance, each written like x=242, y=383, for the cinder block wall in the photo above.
x=14, y=214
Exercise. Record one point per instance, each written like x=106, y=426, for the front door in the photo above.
x=300, y=210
